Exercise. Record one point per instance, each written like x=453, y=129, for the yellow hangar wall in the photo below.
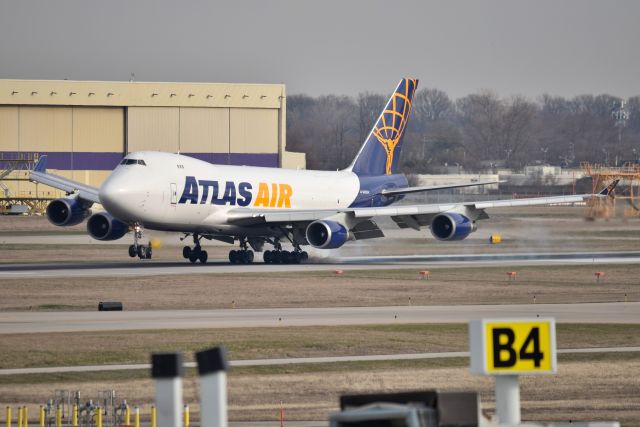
x=85, y=128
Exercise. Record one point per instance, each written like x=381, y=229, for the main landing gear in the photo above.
x=243, y=256
x=196, y=253
x=279, y=256
x=137, y=250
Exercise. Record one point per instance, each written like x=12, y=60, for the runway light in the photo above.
x=424, y=274
x=338, y=272
x=599, y=275
x=511, y=275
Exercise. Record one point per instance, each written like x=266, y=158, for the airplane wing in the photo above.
x=39, y=174
x=407, y=190
x=413, y=216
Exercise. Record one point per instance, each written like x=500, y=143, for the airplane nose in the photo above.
x=115, y=195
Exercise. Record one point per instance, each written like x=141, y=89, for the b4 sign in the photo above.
x=513, y=347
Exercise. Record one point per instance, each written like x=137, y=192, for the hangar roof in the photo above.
x=151, y=94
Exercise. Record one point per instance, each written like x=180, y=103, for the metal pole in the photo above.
x=508, y=399
x=185, y=421
x=41, y=416
x=59, y=416
x=153, y=416
x=25, y=416
x=212, y=367
x=8, y=416
x=136, y=417
x=167, y=370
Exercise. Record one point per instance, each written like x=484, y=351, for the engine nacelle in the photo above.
x=451, y=226
x=67, y=212
x=325, y=234
x=103, y=226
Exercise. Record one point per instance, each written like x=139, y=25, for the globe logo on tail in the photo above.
x=390, y=127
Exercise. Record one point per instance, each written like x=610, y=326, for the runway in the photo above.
x=156, y=268
x=296, y=361
x=39, y=322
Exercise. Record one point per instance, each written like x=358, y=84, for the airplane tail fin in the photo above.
x=380, y=153
x=41, y=166
x=609, y=189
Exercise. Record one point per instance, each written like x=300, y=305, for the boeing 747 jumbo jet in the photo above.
x=255, y=206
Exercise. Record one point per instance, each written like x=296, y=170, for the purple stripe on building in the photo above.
x=246, y=159
x=108, y=161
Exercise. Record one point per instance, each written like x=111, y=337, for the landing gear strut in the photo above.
x=243, y=256
x=279, y=256
x=137, y=250
x=196, y=253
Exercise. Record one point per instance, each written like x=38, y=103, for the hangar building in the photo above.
x=86, y=127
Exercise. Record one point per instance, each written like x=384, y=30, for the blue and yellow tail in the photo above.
x=380, y=153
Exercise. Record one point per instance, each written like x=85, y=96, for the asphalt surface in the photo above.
x=34, y=322
x=155, y=268
x=296, y=361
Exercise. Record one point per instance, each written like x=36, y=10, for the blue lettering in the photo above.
x=190, y=192
x=205, y=189
x=244, y=189
x=229, y=194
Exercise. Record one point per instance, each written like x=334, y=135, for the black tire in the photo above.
x=295, y=257
x=186, y=251
x=233, y=258
x=276, y=257
x=193, y=257
x=132, y=251
x=249, y=256
x=266, y=256
x=148, y=252
x=286, y=257
x=305, y=256
x=204, y=256
x=141, y=252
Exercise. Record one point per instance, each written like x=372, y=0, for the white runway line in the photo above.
x=297, y=361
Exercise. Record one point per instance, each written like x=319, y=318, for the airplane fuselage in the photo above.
x=178, y=193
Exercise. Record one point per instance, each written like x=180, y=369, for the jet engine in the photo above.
x=103, y=226
x=325, y=234
x=67, y=212
x=451, y=226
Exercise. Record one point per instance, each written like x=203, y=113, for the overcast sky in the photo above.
x=566, y=47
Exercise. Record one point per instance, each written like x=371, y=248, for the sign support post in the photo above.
x=508, y=399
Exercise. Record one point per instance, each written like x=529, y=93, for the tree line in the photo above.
x=478, y=132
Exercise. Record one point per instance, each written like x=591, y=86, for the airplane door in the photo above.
x=174, y=193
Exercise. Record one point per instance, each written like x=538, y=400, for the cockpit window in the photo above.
x=133, y=162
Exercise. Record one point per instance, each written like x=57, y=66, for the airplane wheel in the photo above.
x=233, y=258
x=148, y=252
x=193, y=257
x=203, y=257
x=286, y=257
x=295, y=257
x=249, y=257
x=276, y=257
x=186, y=251
x=141, y=252
x=132, y=251
x=304, y=255
x=266, y=256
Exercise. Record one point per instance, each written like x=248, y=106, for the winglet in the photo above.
x=41, y=166
x=608, y=190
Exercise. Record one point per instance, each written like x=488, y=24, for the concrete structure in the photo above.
x=86, y=127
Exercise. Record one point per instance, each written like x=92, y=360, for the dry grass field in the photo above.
x=471, y=285
x=593, y=387
x=587, y=387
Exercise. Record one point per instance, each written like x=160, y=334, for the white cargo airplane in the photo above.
x=257, y=205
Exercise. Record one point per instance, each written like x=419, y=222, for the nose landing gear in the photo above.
x=197, y=253
x=141, y=251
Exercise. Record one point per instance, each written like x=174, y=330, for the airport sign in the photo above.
x=513, y=346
